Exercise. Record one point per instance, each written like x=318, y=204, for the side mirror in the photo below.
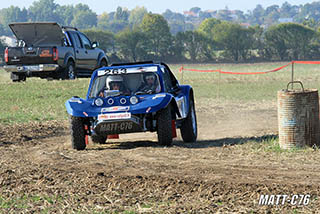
x=95, y=44
x=175, y=89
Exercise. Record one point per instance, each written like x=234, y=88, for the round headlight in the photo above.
x=134, y=100
x=98, y=102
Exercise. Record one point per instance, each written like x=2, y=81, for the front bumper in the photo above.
x=31, y=68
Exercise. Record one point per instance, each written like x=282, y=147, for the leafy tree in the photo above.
x=235, y=40
x=2, y=31
x=117, y=26
x=118, y=20
x=11, y=14
x=196, y=45
x=2, y=47
x=176, y=27
x=157, y=31
x=136, y=16
x=173, y=16
x=208, y=25
x=275, y=41
x=66, y=13
x=311, y=23
x=258, y=42
x=257, y=15
x=290, y=40
x=132, y=45
x=103, y=21
x=309, y=11
x=84, y=17
x=44, y=10
x=121, y=14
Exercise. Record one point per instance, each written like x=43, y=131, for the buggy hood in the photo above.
x=38, y=33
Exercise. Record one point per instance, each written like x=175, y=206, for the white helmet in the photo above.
x=113, y=79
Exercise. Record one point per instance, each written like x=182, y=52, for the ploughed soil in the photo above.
x=226, y=171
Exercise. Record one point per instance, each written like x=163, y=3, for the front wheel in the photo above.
x=77, y=131
x=164, y=127
x=189, y=129
x=103, y=63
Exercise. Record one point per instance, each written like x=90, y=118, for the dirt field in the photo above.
x=224, y=172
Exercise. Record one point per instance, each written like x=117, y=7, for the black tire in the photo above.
x=189, y=129
x=101, y=139
x=70, y=71
x=103, y=63
x=164, y=127
x=17, y=77
x=78, y=141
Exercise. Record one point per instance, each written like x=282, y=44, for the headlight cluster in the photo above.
x=133, y=100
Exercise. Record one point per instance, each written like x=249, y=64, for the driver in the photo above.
x=114, y=82
x=150, y=84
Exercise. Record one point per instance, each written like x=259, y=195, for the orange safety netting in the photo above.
x=248, y=73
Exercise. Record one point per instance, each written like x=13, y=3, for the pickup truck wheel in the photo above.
x=70, y=72
x=99, y=138
x=189, y=130
x=77, y=133
x=164, y=127
x=103, y=63
x=17, y=77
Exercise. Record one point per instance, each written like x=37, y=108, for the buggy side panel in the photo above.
x=186, y=90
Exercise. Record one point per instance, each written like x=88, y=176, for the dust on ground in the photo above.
x=221, y=173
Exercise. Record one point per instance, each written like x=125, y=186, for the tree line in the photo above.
x=140, y=35
x=213, y=41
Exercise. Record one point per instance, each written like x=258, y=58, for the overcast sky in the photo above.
x=159, y=6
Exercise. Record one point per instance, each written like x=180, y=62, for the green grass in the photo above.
x=271, y=146
x=44, y=204
x=37, y=99
x=42, y=100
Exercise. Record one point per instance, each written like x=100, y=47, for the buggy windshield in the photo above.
x=127, y=84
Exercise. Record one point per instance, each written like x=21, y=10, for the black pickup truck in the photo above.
x=48, y=50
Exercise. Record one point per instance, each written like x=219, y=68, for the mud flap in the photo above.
x=174, y=130
x=86, y=134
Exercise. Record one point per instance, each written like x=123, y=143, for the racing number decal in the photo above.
x=112, y=71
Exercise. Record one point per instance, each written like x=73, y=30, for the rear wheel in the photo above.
x=18, y=77
x=189, y=130
x=70, y=72
x=96, y=138
x=77, y=133
x=164, y=130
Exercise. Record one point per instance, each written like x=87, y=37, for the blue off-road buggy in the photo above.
x=133, y=97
